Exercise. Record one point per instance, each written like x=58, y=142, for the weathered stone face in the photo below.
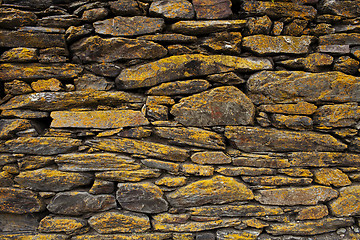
x=205, y=27
x=348, y=202
x=212, y=9
x=19, y=201
x=30, y=39
x=173, y=9
x=180, y=87
x=66, y=225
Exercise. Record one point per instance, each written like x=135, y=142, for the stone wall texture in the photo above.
x=179, y=119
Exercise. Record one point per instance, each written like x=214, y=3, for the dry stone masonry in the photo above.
x=179, y=119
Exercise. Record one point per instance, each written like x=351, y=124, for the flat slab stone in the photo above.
x=340, y=39
x=9, y=127
x=337, y=115
x=52, y=101
x=128, y=175
x=247, y=171
x=300, y=108
x=33, y=236
x=345, y=8
x=323, y=159
x=206, y=27
x=172, y=9
x=261, y=160
x=347, y=204
x=19, y=201
x=288, y=87
x=219, y=106
x=97, y=49
x=9, y=71
x=129, y=26
x=255, y=139
x=180, y=87
x=169, y=38
x=97, y=119
x=277, y=180
x=67, y=225
x=185, y=66
x=296, y=196
x=212, y=9
x=264, y=45
x=31, y=39
x=210, y=157
x=132, y=236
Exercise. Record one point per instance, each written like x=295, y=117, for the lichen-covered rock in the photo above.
x=67, y=225
x=347, y=204
x=31, y=39
x=78, y=203
x=346, y=65
x=314, y=62
x=128, y=175
x=198, y=170
x=210, y=158
x=125, y=8
x=330, y=176
x=20, y=54
x=294, y=122
x=309, y=227
x=185, y=66
x=29, y=114
x=346, y=8
x=264, y=45
x=52, y=85
x=323, y=159
x=205, y=27
x=132, y=236
x=62, y=21
x=254, y=139
x=172, y=9
x=33, y=236
x=216, y=190
x=248, y=234
x=224, y=42
x=52, y=180
x=141, y=197
x=9, y=127
x=312, y=212
x=237, y=171
x=13, y=18
x=208, y=108
x=19, y=201
x=258, y=25
x=296, y=196
x=340, y=39
x=18, y=222
x=129, y=26
x=263, y=161
x=164, y=165
x=180, y=87
x=74, y=33
x=168, y=38
x=17, y=87
x=296, y=172
x=115, y=221
x=97, y=49
x=90, y=82
x=276, y=180
x=171, y=181
x=212, y=9
x=191, y=136
x=300, y=108
x=137, y=147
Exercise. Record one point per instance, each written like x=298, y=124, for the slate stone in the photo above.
x=237, y=171
x=265, y=45
x=340, y=39
x=95, y=162
x=141, y=148
x=17, y=87
x=90, y=82
x=97, y=49
x=197, y=170
x=191, y=136
x=40, y=145
x=228, y=78
x=347, y=8
x=347, y=204
x=129, y=26
x=206, y=27
x=323, y=159
x=334, y=49
x=185, y=66
x=104, y=69
x=36, y=4
x=277, y=180
x=296, y=196
x=301, y=108
x=33, y=236
x=102, y=187
x=60, y=21
x=52, y=180
x=6, y=179
x=296, y=172
x=164, y=165
x=224, y=42
x=315, y=62
x=16, y=222
x=172, y=9
x=206, y=108
x=212, y=9
x=20, y=54
x=52, y=101
x=254, y=139
x=31, y=39
x=116, y=221
x=128, y=175
x=74, y=33
x=210, y=158
x=141, y=197
x=169, y=38
x=296, y=27
x=331, y=176
x=132, y=236
x=19, y=201
x=67, y=225
x=9, y=127
x=346, y=65
x=12, y=18
x=292, y=122
x=312, y=212
x=217, y=190
x=94, y=14
x=180, y=87
x=224, y=234
x=125, y=8
x=337, y=115
x=171, y=181
x=259, y=25
x=78, y=203
x=261, y=160
x=287, y=87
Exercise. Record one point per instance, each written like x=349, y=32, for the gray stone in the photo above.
x=212, y=9
x=323, y=159
x=347, y=8
x=180, y=87
x=334, y=49
x=340, y=39
x=16, y=222
x=92, y=82
x=59, y=21
x=9, y=127
x=29, y=39
x=172, y=9
x=206, y=27
x=125, y=8
x=18, y=201
x=337, y=115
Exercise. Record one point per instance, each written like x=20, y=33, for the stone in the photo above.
x=171, y=181
x=248, y=234
x=20, y=54
x=90, y=82
x=53, y=55
x=52, y=85
x=276, y=180
x=337, y=115
x=132, y=236
x=97, y=49
x=97, y=119
x=33, y=71
x=217, y=190
x=163, y=165
x=355, y=51
x=128, y=175
x=212, y=9
x=16, y=223
x=74, y=33
x=312, y=213
x=294, y=122
x=277, y=28
x=168, y=38
x=31, y=39
x=288, y=87
x=129, y=26
x=116, y=221
x=165, y=222
x=228, y=78
x=52, y=101
x=205, y=109
x=210, y=157
x=185, y=66
x=94, y=14
x=125, y=8
x=6, y=179
x=67, y=225
x=255, y=139
x=300, y=108
x=205, y=236
x=180, y=87
x=265, y=45
x=172, y=9
x=278, y=10
x=141, y=197
x=159, y=100
x=191, y=136
x=262, y=161
x=13, y=18
x=33, y=236
x=132, y=146
x=59, y=21
x=323, y=29
x=206, y=27
x=17, y=87
x=347, y=8
x=9, y=127
x=157, y=112
x=323, y=159
x=83, y=162
x=178, y=49
x=78, y=203
x=315, y=62
x=296, y=27
x=334, y=49
x=224, y=42
x=19, y=201
x=346, y=65
x=258, y=25
x=34, y=162
x=102, y=187
x=296, y=196
x=8, y=158
x=40, y=145
x=52, y=180
x=104, y=69
x=309, y=227
x=296, y=172
x=347, y=204
x=237, y=171
x=197, y=170
x=340, y=39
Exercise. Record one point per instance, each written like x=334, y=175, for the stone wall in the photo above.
x=171, y=119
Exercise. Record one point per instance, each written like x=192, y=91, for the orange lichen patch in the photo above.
x=128, y=176
x=205, y=27
x=338, y=115
x=19, y=55
x=323, y=159
x=348, y=203
x=159, y=100
x=133, y=236
x=11, y=126
x=212, y=9
x=255, y=223
x=198, y=170
x=171, y=181
x=61, y=224
x=296, y=172
x=313, y=212
x=210, y=158
x=180, y=87
x=33, y=236
x=330, y=176
x=18, y=201
x=300, y=108
x=252, y=171
x=277, y=180
x=51, y=84
x=172, y=9
x=248, y=234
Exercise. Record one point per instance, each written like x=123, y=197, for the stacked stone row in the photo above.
x=171, y=119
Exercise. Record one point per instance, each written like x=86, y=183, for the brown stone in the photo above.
x=164, y=165
x=13, y=18
x=74, y=33
x=128, y=175
x=340, y=39
x=94, y=14
x=17, y=87
x=31, y=39
x=157, y=112
x=345, y=8
x=9, y=127
x=67, y=225
x=312, y=212
x=257, y=160
x=20, y=54
x=296, y=27
x=132, y=236
x=323, y=159
x=52, y=85
x=129, y=26
x=294, y=122
x=315, y=62
x=180, y=87
x=347, y=204
x=276, y=180
x=301, y=108
x=296, y=172
x=346, y=65
x=210, y=158
x=329, y=176
x=237, y=171
x=104, y=69
x=228, y=78
x=197, y=170
x=296, y=196
x=97, y=49
x=90, y=82
x=18, y=222
x=18, y=201
x=258, y=25
x=59, y=21
x=171, y=181
x=169, y=38
x=33, y=236
x=125, y=8
x=224, y=42
x=212, y=9
x=205, y=27
x=172, y=9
